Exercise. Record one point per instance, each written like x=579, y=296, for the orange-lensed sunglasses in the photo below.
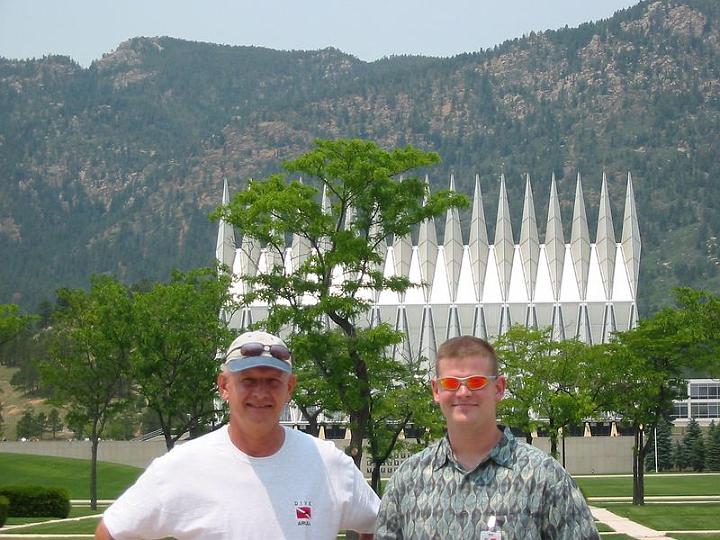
x=471, y=382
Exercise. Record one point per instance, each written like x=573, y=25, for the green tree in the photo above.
x=712, y=448
x=54, y=422
x=547, y=381
x=11, y=322
x=664, y=448
x=88, y=360
x=649, y=364
x=366, y=203
x=678, y=456
x=177, y=336
x=41, y=423
x=27, y=426
x=694, y=446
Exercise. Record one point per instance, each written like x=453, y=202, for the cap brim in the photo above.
x=248, y=362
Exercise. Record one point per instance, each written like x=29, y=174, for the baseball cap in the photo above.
x=258, y=349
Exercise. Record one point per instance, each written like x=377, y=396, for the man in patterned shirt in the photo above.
x=479, y=481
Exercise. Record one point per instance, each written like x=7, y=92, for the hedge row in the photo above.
x=36, y=501
x=4, y=507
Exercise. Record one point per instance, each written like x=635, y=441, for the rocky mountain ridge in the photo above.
x=115, y=167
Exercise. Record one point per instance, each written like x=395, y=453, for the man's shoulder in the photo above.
x=325, y=448
x=192, y=447
x=418, y=461
x=527, y=455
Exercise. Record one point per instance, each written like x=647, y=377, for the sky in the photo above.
x=367, y=29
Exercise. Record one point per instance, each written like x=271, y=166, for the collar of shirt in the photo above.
x=501, y=453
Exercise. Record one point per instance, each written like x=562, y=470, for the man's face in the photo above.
x=464, y=408
x=257, y=395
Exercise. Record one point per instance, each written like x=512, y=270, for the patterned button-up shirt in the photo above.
x=519, y=488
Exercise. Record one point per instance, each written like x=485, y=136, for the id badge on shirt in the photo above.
x=493, y=533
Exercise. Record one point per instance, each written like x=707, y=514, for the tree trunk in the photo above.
x=554, y=443
x=375, y=478
x=638, y=468
x=93, y=470
x=359, y=427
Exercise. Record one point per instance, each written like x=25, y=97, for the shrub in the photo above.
x=4, y=506
x=36, y=501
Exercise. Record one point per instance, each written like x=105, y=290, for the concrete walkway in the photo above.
x=625, y=526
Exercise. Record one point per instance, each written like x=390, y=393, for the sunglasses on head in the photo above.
x=471, y=382
x=281, y=352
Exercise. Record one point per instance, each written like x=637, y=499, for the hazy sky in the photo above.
x=368, y=29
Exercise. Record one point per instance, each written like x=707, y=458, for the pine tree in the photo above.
x=694, y=446
x=664, y=445
x=712, y=448
x=678, y=456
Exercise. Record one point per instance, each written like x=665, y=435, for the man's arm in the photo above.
x=101, y=533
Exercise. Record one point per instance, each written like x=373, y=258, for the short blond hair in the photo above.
x=465, y=346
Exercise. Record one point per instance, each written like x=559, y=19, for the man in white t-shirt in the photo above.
x=251, y=479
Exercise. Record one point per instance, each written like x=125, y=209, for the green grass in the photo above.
x=85, y=526
x=688, y=484
x=71, y=474
x=75, y=511
x=671, y=517
x=699, y=536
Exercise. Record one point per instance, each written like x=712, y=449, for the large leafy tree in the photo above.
x=372, y=195
x=176, y=339
x=548, y=381
x=12, y=322
x=649, y=365
x=88, y=361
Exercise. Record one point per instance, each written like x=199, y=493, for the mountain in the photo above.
x=114, y=168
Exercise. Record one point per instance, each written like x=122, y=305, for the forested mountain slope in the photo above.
x=114, y=168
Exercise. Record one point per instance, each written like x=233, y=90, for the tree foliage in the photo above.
x=88, y=361
x=650, y=363
x=548, y=382
x=177, y=335
x=352, y=200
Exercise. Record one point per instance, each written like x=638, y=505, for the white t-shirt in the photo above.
x=208, y=489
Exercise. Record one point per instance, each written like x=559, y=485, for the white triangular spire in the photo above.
x=453, y=247
x=478, y=245
x=427, y=250
x=605, y=240
x=428, y=348
x=555, y=241
x=631, y=238
x=529, y=242
x=580, y=241
x=225, y=245
x=504, y=245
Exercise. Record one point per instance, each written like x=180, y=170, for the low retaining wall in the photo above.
x=135, y=453
x=583, y=455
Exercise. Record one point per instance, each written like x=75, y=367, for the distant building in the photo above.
x=472, y=285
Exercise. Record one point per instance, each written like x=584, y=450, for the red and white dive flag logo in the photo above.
x=303, y=512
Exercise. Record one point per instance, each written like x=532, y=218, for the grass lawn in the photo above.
x=71, y=474
x=85, y=526
x=680, y=484
x=75, y=511
x=671, y=517
x=698, y=536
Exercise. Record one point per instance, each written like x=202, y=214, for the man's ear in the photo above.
x=222, y=385
x=500, y=384
x=292, y=381
x=435, y=390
